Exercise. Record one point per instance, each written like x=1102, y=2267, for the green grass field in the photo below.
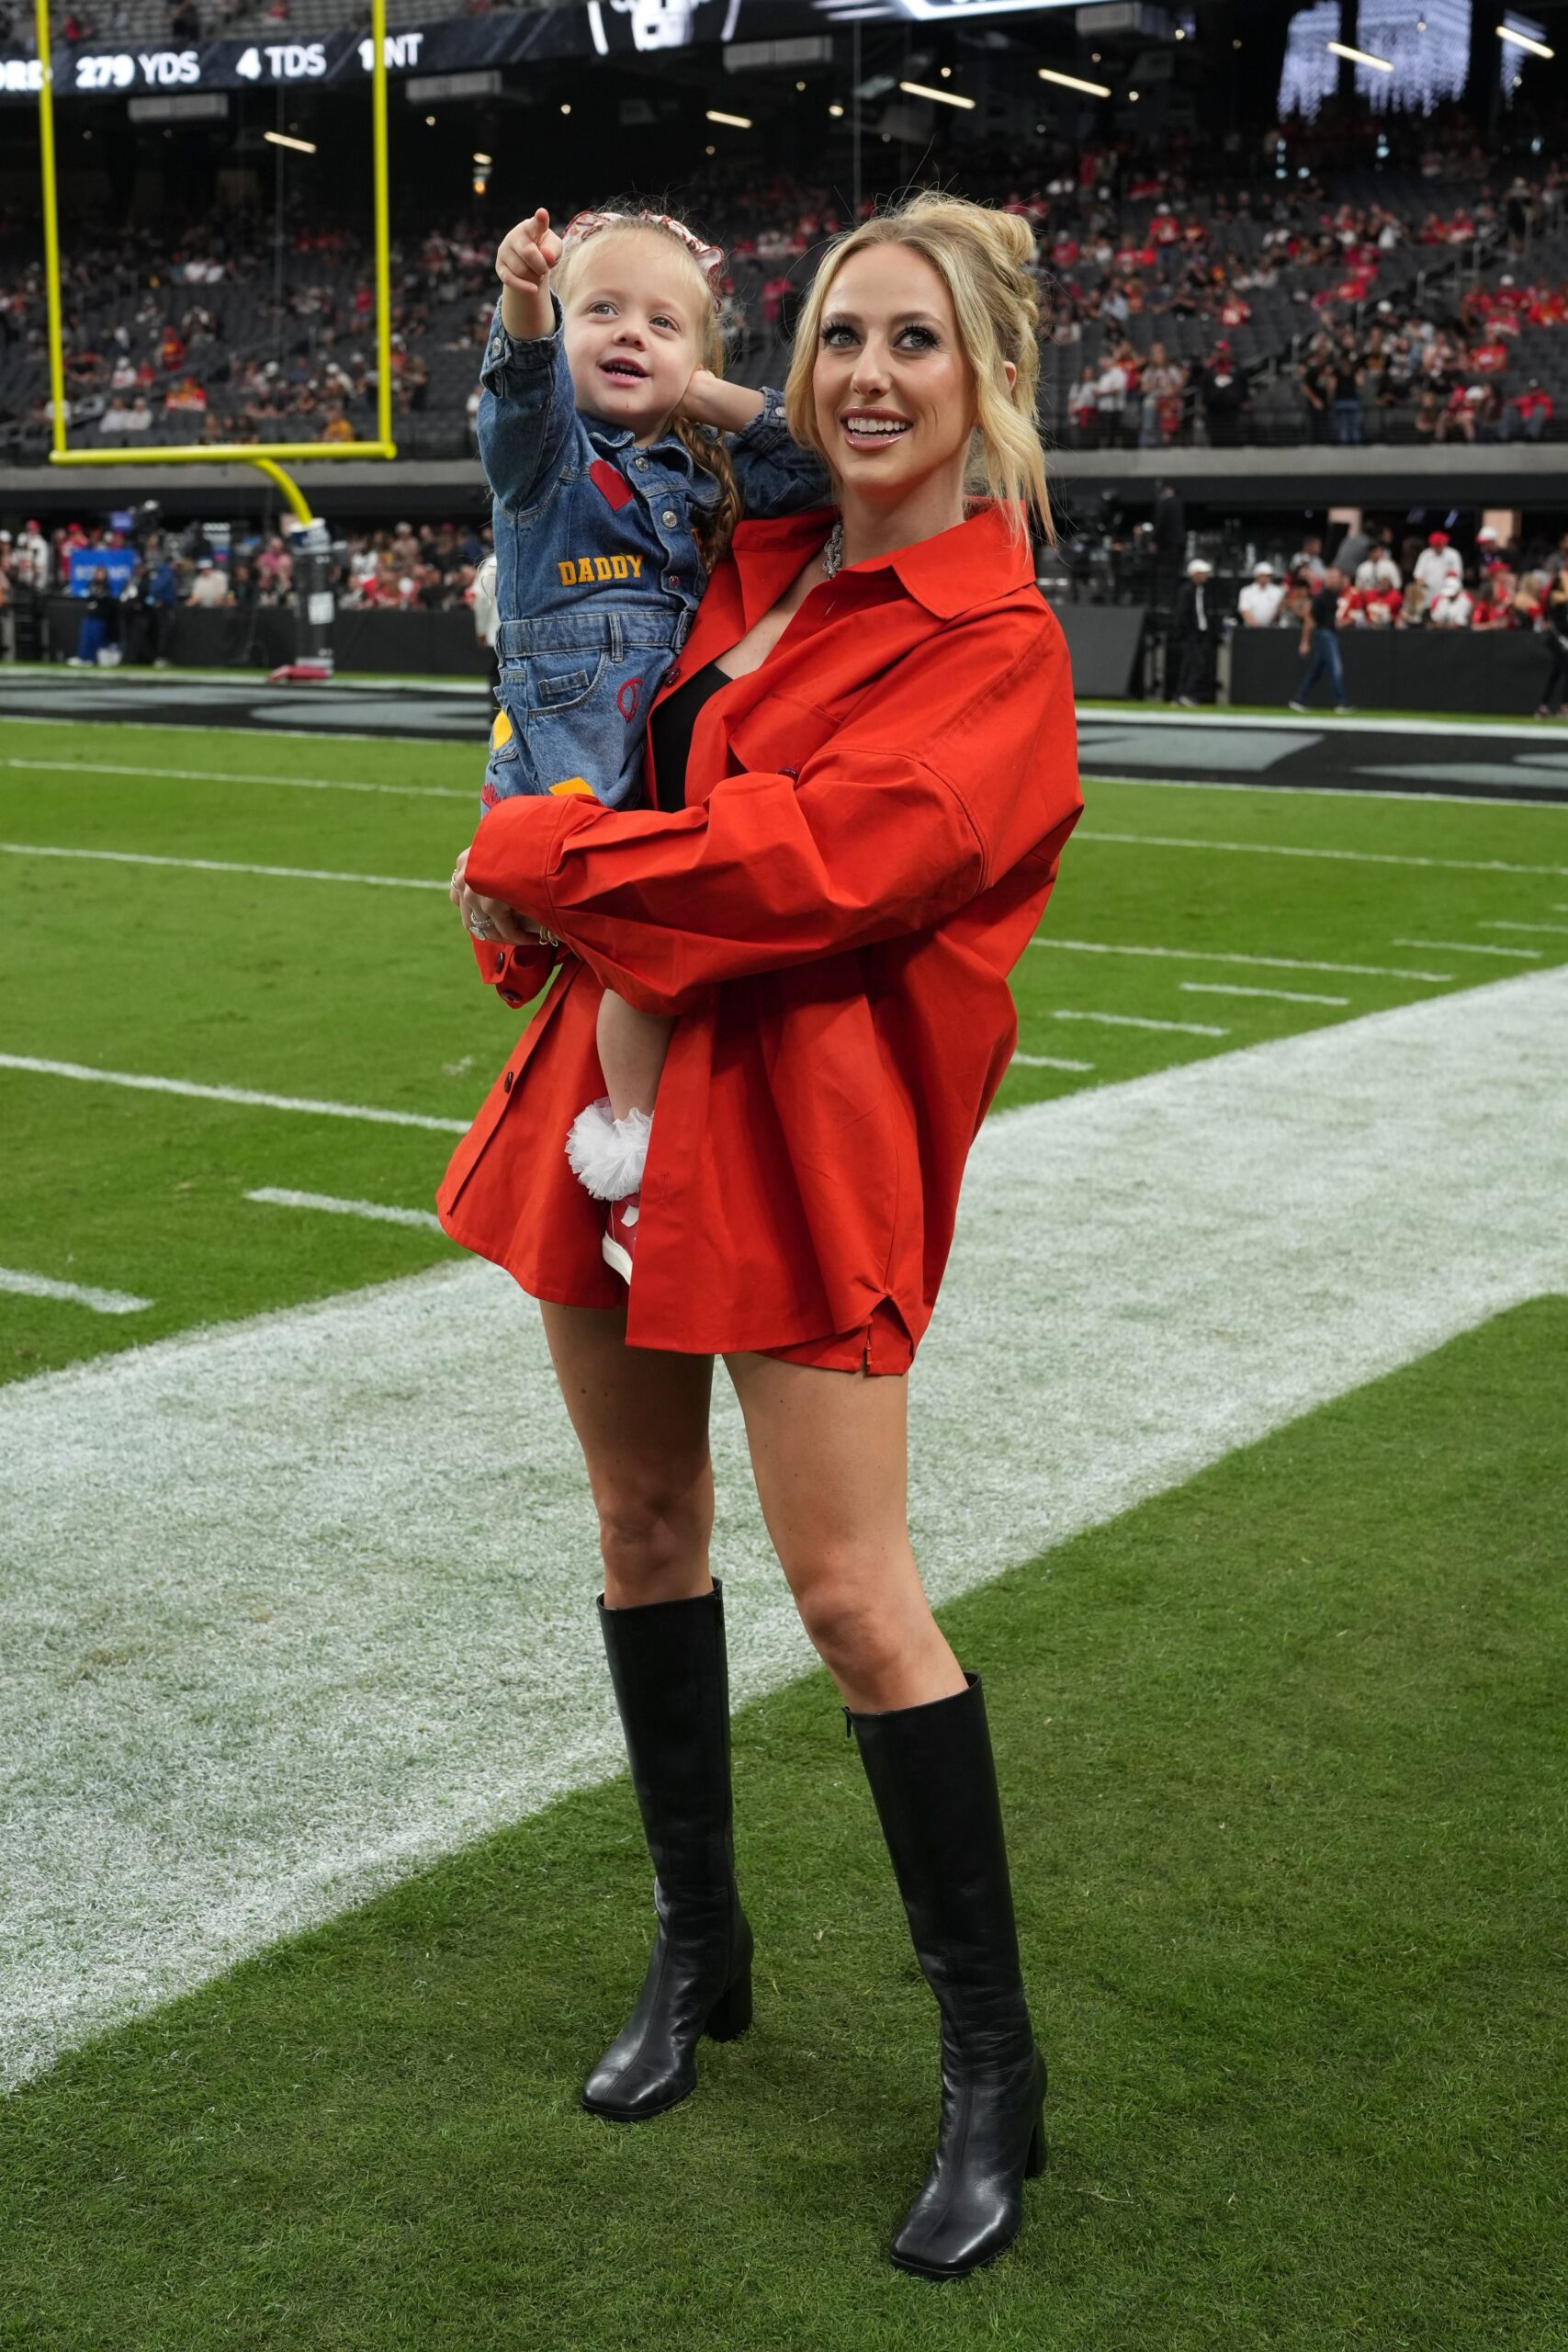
x=1282, y=1749
x=366, y=996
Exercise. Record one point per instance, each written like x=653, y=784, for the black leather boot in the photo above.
x=668, y=1665
x=935, y=1785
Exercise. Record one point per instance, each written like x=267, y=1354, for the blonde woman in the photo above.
x=864, y=775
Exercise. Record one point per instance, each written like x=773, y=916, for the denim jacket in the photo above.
x=597, y=569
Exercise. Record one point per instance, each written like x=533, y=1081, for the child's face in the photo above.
x=632, y=331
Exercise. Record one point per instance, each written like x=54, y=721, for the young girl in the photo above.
x=619, y=462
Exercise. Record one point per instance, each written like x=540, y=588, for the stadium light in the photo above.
x=1071, y=81
x=1359, y=56
x=281, y=139
x=835, y=111
x=942, y=97
x=1523, y=40
x=735, y=122
x=484, y=159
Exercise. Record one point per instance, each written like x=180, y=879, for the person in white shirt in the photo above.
x=1377, y=570
x=1436, y=564
x=29, y=557
x=1110, y=394
x=1453, y=605
x=1260, y=600
x=210, y=587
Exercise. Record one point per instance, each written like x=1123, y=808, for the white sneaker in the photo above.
x=1301, y=707
x=1344, y=710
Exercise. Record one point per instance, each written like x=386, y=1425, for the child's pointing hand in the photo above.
x=528, y=254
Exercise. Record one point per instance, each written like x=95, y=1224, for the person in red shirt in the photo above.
x=863, y=776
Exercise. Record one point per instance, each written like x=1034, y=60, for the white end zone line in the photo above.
x=249, y=1097
x=1142, y=1020
x=378, y=1212
x=1468, y=947
x=1217, y=956
x=222, y=865
x=1238, y=988
x=1292, y=849
x=1558, y=928
x=1051, y=1061
x=102, y=1302
x=215, y=776
x=243, y=1564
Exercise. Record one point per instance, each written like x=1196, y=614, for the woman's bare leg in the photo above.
x=830, y=1455
x=632, y=1046
x=641, y=1418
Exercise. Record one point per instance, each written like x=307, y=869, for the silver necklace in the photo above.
x=833, y=552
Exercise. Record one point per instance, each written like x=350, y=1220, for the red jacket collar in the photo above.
x=973, y=563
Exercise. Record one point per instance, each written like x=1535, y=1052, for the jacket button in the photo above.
x=669, y=518
x=501, y=959
x=642, y=465
x=671, y=580
x=506, y=1083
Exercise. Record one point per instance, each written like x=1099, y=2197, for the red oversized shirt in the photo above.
x=872, y=826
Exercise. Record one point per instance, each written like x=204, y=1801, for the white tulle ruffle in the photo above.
x=607, y=1154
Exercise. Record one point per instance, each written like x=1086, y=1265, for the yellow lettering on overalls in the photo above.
x=636, y=563
x=620, y=567
x=568, y=573
x=501, y=732
x=603, y=568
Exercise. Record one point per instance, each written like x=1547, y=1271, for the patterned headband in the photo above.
x=709, y=259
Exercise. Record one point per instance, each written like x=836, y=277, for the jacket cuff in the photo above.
x=507, y=354
x=516, y=849
x=767, y=430
x=516, y=974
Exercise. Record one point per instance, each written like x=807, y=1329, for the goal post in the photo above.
x=268, y=457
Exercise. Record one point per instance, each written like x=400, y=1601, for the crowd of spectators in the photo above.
x=1414, y=584
x=131, y=585
x=1169, y=305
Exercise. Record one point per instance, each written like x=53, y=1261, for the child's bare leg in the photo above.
x=632, y=1046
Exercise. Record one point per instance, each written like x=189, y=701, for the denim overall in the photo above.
x=597, y=569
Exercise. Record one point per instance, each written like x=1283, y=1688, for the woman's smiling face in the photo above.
x=893, y=396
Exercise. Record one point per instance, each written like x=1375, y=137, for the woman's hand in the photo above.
x=491, y=919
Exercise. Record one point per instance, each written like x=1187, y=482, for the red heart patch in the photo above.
x=611, y=483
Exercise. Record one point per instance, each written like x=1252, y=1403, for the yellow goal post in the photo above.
x=265, y=456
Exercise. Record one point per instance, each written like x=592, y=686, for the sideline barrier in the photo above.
x=1103, y=640
x=1404, y=669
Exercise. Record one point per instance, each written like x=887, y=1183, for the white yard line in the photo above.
x=145, y=1084
x=378, y=1212
x=222, y=866
x=1216, y=956
x=1468, y=947
x=1290, y=723
x=216, y=775
x=102, y=1302
x=1292, y=849
x=1237, y=987
x=1142, y=1021
x=293, y=1606
x=1558, y=928
x=1050, y=1061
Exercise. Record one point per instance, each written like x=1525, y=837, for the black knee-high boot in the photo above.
x=934, y=1783
x=668, y=1665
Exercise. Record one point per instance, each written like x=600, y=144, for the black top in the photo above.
x=669, y=732
x=1325, y=611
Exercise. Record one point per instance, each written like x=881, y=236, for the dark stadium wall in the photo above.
x=1415, y=670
